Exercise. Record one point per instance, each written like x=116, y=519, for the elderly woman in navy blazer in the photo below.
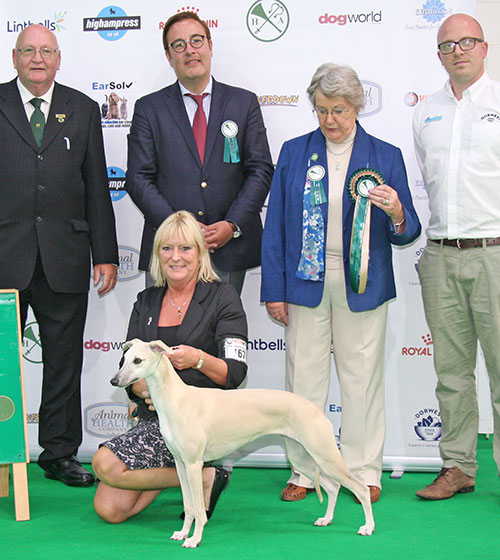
x=339, y=200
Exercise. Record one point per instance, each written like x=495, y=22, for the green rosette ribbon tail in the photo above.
x=360, y=183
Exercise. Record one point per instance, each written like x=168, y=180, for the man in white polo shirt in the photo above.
x=457, y=141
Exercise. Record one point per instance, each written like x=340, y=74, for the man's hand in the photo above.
x=108, y=273
x=217, y=235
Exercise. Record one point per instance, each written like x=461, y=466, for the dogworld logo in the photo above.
x=344, y=19
x=112, y=23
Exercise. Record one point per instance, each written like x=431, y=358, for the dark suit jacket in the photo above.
x=215, y=312
x=165, y=172
x=53, y=200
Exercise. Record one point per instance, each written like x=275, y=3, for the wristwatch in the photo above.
x=236, y=229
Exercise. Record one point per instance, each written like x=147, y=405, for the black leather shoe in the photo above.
x=221, y=481
x=67, y=470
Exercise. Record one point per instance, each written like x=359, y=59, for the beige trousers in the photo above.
x=358, y=350
x=461, y=293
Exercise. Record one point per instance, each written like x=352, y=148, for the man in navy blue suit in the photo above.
x=201, y=146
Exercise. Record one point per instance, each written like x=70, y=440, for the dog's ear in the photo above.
x=129, y=343
x=159, y=347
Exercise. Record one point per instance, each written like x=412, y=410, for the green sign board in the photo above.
x=13, y=448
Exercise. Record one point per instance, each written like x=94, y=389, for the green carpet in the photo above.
x=251, y=522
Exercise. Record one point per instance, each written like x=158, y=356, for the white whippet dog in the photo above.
x=200, y=425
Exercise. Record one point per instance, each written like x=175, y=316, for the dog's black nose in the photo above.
x=114, y=381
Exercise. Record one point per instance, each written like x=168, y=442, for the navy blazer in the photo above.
x=165, y=173
x=55, y=199
x=282, y=240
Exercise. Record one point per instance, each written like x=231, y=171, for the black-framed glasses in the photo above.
x=196, y=41
x=30, y=52
x=466, y=44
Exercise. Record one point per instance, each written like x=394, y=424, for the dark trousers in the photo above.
x=61, y=321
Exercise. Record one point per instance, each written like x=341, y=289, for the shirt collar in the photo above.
x=208, y=88
x=473, y=91
x=27, y=96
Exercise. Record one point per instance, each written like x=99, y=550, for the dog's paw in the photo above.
x=366, y=530
x=192, y=542
x=323, y=521
x=179, y=535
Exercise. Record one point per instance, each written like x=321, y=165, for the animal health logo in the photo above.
x=268, y=20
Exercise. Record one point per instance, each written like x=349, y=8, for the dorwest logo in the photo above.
x=104, y=346
x=283, y=100
x=54, y=24
x=425, y=350
x=428, y=424
x=112, y=23
x=344, y=19
x=107, y=419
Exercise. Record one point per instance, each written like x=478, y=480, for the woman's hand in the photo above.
x=278, y=310
x=184, y=357
x=387, y=199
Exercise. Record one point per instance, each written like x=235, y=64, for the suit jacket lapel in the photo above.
x=177, y=110
x=12, y=107
x=62, y=106
x=217, y=107
x=195, y=311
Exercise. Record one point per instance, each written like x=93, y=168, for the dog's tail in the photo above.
x=317, y=486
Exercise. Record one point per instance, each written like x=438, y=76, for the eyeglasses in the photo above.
x=338, y=112
x=29, y=52
x=196, y=41
x=466, y=44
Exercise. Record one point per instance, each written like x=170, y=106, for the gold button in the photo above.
x=201, y=213
x=204, y=185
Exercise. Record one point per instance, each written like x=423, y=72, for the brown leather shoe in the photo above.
x=450, y=481
x=294, y=493
x=374, y=494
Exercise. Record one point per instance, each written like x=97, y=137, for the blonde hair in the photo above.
x=183, y=225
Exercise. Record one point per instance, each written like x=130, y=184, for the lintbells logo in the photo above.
x=428, y=426
x=112, y=23
x=55, y=23
x=107, y=419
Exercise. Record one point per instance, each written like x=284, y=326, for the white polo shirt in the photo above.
x=458, y=150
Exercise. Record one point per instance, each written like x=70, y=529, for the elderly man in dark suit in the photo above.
x=55, y=212
x=201, y=146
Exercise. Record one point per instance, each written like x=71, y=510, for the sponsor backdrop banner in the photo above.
x=114, y=54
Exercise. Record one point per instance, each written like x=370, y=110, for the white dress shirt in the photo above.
x=458, y=150
x=190, y=103
x=27, y=96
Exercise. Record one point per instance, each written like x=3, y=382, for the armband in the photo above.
x=232, y=348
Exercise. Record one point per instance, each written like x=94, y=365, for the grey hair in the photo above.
x=333, y=80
